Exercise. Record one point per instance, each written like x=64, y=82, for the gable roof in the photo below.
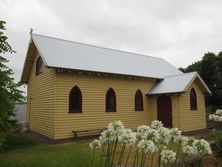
x=58, y=53
x=177, y=84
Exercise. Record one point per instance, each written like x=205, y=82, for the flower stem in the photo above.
x=151, y=163
x=121, y=155
x=113, y=152
x=107, y=156
x=101, y=157
x=178, y=147
x=128, y=156
x=134, y=161
x=144, y=159
x=158, y=160
x=196, y=162
x=92, y=160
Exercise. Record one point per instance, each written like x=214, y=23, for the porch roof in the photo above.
x=177, y=84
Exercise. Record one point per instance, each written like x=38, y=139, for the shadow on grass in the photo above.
x=23, y=152
x=16, y=142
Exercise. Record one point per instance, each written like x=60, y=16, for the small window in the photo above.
x=138, y=101
x=110, y=101
x=193, y=100
x=39, y=66
x=75, y=100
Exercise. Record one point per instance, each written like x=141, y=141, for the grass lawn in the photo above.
x=22, y=152
x=214, y=136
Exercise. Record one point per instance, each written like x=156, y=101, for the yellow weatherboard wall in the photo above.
x=41, y=100
x=193, y=119
x=94, y=90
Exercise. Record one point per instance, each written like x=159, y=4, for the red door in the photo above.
x=164, y=110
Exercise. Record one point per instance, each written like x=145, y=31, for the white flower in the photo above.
x=175, y=134
x=165, y=135
x=127, y=138
x=217, y=116
x=156, y=124
x=184, y=139
x=153, y=135
x=189, y=150
x=95, y=144
x=212, y=116
x=142, y=132
x=107, y=136
x=147, y=146
x=167, y=156
x=202, y=146
x=114, y=130
x=116, y=127
x=219, y=112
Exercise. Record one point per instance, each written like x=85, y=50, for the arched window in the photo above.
x=39, y=66
x=110, y=101
x=193, y=100
x=138, y=101
x=75, y=100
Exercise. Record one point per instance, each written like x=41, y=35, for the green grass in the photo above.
x=22, y=152
x=214, y=136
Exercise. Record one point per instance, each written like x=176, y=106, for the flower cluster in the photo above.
x=188, y=150
x=156, y=124
x=175, y=134
x=165, y=135
x=217, y=116
x=196, y=147
x=95, y=144
x=114, y=130
x=127, y=138
x=149, y=139
x=202, y=147
x=147, y=146
x=167, y=156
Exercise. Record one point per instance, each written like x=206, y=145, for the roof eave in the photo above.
x=23, y=78
x=160, y=93
x=157, y=78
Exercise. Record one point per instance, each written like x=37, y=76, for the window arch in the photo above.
x=110, y=100
x=75, y=100
x=193, y=100
x=138, y=101
x=39, y=66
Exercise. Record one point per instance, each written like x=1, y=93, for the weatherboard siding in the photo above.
x=176, y=111
x=93, y=114
x=193, y=119
x=41, y=101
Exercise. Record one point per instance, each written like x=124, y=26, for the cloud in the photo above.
x=178, y=31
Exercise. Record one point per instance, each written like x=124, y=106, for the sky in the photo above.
x=179, y=31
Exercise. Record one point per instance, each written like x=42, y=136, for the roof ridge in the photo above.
x=179, y=74
x=101, y=47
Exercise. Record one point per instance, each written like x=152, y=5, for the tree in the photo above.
x=210, y=69
x=9, y=92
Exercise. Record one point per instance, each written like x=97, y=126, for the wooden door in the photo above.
x=164, y=110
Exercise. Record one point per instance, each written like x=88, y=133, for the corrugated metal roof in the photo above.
x=177, y=84
x=173, y=84
x=72, y=55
